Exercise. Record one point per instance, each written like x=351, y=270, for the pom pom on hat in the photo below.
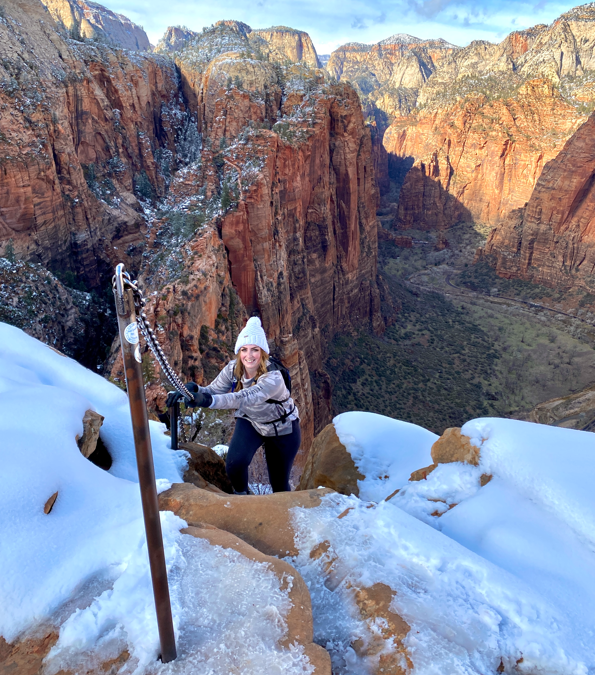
x=252, y=334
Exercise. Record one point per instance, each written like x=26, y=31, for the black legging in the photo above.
x=280, y=451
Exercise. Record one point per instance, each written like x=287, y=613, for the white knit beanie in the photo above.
x=252, y=334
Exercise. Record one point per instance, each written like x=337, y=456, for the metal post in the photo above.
x=174, y=413
x=129, y=340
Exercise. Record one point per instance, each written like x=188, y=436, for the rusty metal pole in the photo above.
x=129, y=339
x=174, y=413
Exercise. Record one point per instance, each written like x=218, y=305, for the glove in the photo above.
x=201, y=399
x=174, y=396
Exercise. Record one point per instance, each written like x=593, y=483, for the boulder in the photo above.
x=263, y=521
x=453, y=446
x=299, y=619
x=205, y=465
x=330, y=465
x=87, y=443
x=422, y=474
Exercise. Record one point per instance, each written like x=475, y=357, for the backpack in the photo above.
x=275, y=364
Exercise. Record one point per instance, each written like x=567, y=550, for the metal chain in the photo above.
x=153, y=343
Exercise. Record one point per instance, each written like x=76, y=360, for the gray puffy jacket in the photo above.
x=250, y=402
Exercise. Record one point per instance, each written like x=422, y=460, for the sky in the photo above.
x=332, y=23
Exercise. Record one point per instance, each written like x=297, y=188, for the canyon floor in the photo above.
x=466, y=342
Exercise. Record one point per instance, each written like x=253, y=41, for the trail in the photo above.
x=499, y=300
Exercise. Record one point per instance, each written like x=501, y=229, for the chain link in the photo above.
x=153, y=343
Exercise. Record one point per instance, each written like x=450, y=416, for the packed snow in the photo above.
x=502, y=580
x=384, y=450
x=489, y=565
x=84, y=565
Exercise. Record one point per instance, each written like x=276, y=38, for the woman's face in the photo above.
x=250, y=358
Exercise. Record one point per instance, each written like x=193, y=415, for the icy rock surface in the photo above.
x=84, y=565
x=500, y=579
x=229, y=618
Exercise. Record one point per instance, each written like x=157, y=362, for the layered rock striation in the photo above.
x=85, y=131
x=551, y=240
x=477, y=159
x=94, y=21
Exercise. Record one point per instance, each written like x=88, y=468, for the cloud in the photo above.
x=540, y=5
x=380, y=19
x=428, y=8
x=358, y=23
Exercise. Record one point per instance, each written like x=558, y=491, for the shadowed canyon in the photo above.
x=412, y=222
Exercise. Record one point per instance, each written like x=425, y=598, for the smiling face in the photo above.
x=250, y=358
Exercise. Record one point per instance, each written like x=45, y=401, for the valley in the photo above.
x=465, y=341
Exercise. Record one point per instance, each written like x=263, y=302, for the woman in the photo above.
x=265, y=412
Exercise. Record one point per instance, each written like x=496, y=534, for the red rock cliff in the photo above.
x=81, y=126
x=477, y=160
x=552, y=239
x=301, y=240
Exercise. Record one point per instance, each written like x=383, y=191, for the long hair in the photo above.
x=238, y=371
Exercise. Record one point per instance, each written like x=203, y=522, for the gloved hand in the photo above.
x=174, y=396
x=201, y=399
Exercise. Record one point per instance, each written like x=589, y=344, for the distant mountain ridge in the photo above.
x=94, y=21
x=278, y=42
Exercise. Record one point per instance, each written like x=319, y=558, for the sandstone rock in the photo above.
x=478, y=159
x=299, y=619
x=33, y=299
x=373, y=603
x=263, y=521
x=25, y=656
x=330, y=465
x=175, y=39
x=49, y=505
x=382, y=645
x=87, y=443
x=390, y=72
x=92, y=20
x=77, y=134
x=551, y=240
x=453, y=446
x=288, y=43
x=205, y=466
x=422, y=474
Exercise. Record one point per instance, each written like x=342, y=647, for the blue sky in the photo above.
x=331, y=23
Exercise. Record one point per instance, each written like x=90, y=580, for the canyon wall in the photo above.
x=391, y=72
x=233, y=183
x=296, y=213
x=278, y=43
x=469, y=130
x=552, y=239
x=478, y=159
x=84, y=130
x=489, y=118
x=92, y=20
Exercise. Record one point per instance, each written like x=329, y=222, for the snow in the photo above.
x=385, y=451
x=499, y=574
x=84, y=565
x=489, y=565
